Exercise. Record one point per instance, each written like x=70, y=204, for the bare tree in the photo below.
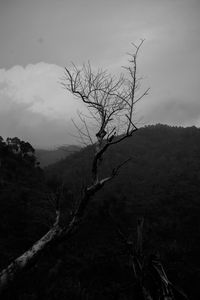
x=111, y=102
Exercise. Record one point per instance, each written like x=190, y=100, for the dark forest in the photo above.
x=149, y=212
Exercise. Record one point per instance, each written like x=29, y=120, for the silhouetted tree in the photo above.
x=111, y=103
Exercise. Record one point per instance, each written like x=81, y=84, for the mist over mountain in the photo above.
x=48, y=157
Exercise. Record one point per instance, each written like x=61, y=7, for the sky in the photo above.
x=39, y=38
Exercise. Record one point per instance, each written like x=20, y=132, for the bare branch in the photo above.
x=111, y=101
x=116, y=169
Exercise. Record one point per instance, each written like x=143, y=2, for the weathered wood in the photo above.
x=55, y=234
x=8, y=274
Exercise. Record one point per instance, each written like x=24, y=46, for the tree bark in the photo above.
x=8, y=274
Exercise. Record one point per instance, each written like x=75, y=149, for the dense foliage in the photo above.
x=23, y=204
x=160, y=183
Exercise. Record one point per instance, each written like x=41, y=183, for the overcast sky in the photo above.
x=38, y=38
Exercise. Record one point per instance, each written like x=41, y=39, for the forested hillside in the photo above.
x=160, y=184
x=23, y=214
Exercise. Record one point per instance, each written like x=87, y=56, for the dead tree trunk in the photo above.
x=110, y=102
x=8, y=274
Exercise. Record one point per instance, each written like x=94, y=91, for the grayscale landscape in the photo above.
x=99, y=150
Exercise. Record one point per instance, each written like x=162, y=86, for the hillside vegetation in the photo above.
x=161, y=183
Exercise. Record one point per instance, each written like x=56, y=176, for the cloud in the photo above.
x=173, y=111
x=34, y=106
x=17, y=119
x=38, y=84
